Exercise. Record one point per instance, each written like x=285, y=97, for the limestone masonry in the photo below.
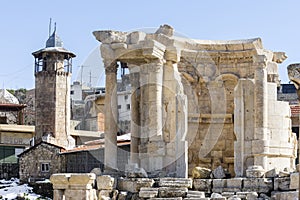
x=197, y=103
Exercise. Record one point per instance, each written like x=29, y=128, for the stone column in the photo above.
x=152, y=148
x=260, y=142
x=135, y=116
x=111, y=117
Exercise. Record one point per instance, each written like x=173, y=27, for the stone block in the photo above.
x=272, y=173
x=218, y=185
x=255, y=172
x=294, y=184
x=286, y=195
x=167, y=192
x=105, y=182
x=282, y=184
x=81, y=194
x=146, y=192
x=134, y=185
x=104, y=194
x=261, y=185
x=219, y=173
x=195, y=194
x=60, y=181
x=234, y=185
x=201, y=172
x=176, y=182
x=228, y=194
x=82, y=181
x=203, y=185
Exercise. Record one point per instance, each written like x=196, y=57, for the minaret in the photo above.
x=53, y=68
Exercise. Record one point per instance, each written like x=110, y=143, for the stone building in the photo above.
x=197, y=103
x=40, y=162
x=53, y=67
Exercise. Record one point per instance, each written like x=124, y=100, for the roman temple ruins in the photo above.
x=197, y=103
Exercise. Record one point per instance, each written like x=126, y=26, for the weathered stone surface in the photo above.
x=286, y=195
x=133, y=171
x=195, y=194
x=146, y=192
x=81, y=194
x=201, y=172
x=215, y=195
x=272, y=173
x=294, y=184
x=255, y=172
x=105, y=194
x=134, y=185
x=105, y=182
x=60, y=181
x=202, y=185
x=234, y=185
x=219, y=173
x=282, y=184
x=176, y=182
x=172, y=192
x=122, y=195
x=261, y=185
x=283, y=174
x=82, y=181
x=96, y=171
x=219, y=185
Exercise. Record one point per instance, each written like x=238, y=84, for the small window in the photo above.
x=72, y=92
x=128, y=106
x=126, y=97
x=119, y=106
x=45, y=167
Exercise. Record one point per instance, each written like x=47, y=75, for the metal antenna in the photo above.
x=54, y=27
x=50, y=23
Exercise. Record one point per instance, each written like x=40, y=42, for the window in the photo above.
x=72, y=92
x=128, y=106
x=119, y=106
x=126, y=97
x=45, y=167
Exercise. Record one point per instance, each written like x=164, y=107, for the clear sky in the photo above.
x=24, y=27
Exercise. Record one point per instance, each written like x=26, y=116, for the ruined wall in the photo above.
x=194, y=91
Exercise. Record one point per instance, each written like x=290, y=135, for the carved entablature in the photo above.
x=208, y=58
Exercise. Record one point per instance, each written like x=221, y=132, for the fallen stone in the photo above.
x=219, y=173
x=234, y=185
x=133, y=171
x=204, y=185
x=148, y=192
x=272, y=173
x=134, y=185
x=286, y=195
x=105, y=182
x=172, y=192
x=176, y=182
x=261, y=185
x=282, y=184
x=216, y=195
x=195, y=194
x=105, y=194
x=201, y=173
x=82, y=181
x=234, y=197
x=283, y=174
x=255, y=172
x=97, y=171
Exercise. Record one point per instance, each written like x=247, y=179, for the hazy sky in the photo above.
x=24, y=27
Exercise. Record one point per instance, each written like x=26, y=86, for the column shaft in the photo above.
x=111, y=117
